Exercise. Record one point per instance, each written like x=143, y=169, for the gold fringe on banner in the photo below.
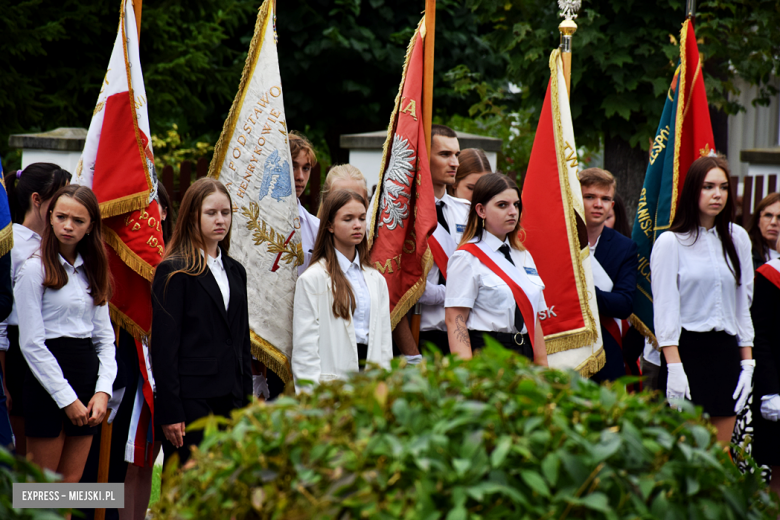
x=643, y=329
x=593, y=364
x=271, y=357
x=255, y=46
x=123, y=205
x=128, y=256
x=679, y=117
x=6, y=239
x=569, y=340
x=414, y=293
x=126, y=323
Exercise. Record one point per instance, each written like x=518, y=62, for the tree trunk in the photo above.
x=628, y=165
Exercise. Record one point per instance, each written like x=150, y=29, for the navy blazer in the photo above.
x=618, y=256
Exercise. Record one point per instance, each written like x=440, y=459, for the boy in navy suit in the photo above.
x=614, y=262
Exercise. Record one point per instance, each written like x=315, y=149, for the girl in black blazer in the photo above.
x=200, y=343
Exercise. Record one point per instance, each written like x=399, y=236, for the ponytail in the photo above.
x=41, y=178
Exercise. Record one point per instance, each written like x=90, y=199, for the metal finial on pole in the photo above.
x=690, y=9
x=567, y=29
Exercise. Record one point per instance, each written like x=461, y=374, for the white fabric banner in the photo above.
x=252, y=159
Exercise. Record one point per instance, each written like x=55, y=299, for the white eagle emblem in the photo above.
x=397, y=184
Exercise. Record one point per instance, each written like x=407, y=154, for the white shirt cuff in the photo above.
x=104, y=386
x=65, y=397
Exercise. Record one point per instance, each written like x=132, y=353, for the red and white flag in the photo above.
x=118, y=164
x=554, y=223
x=403, y=211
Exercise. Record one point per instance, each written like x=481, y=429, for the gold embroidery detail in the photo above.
x=263, y=233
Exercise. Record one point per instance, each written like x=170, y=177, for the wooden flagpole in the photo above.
x=427, y=101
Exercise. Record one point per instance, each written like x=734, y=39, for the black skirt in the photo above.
x=16, y=371
x=78, y=360
x=766, y=448
x=712, y=363
x=519, y=343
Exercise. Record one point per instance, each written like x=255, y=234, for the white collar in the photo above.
x=78, y=263
x=214, y=262
x=713, y=230
x=25, y=232
x=344, y=262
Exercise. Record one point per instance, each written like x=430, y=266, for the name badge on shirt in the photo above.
x=533, y=275
x=460, y=228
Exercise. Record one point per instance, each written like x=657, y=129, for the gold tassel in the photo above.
x=643, y=329
x=128, y=256
x=6, y=239
x=123, y=205
x=126, y=323
x=569, y=341
x=593, y=364
x=271, y=357
x=414, y=293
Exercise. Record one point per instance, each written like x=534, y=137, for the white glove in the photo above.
x=770, y=407
x=677, y=383
x=260, y=387
x=413, y=360
x=114, y=403
x=745, y=384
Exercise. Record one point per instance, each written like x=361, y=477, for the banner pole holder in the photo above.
x=567, y=28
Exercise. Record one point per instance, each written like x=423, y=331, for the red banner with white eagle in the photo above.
x=118, y=164
x=403, y=212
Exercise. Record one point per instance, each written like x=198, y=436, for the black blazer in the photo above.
x=198, y=350
x=766, y=346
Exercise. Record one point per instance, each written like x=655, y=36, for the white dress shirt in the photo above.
x=362, y=315
x=488, y=296
x=26, y=242
x=310, y=225
x=220, y=275
x=456, y=213
x=69, y=312
x=693, y=287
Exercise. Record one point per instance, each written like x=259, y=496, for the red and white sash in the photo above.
x=510, y=274
x=442, y=246
x=771, y=271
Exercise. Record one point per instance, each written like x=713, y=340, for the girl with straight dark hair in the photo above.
x=200, y=345
x=702, y=287
x=29, y=193
x=65, y=333
x=342, y=306
x=499, y=292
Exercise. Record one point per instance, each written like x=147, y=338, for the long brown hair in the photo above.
x=344, y=301
x=487, y=187
x=760, y=245
x=687, y=218
x=91, y=248
x=338, y=172
x=470, y=160
x=187, y=239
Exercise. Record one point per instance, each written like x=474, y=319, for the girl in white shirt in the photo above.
x=65, y=333
x=342, y=306
x=498, y=291
x=702, y=280
x=29, y=193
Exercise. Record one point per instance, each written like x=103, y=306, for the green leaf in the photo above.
x=535, y=481
x=550, y=466
x=500, y=452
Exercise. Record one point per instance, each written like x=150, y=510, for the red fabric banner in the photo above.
x=403, y=212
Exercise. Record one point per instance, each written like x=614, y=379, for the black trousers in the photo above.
x=438, y=337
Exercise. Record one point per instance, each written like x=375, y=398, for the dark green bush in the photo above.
x=18, y=469
x=491, y=438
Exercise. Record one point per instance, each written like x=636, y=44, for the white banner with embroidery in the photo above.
x=252, y=159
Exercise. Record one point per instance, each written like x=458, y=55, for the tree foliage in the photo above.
x=494, y=437
x=625, y=53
